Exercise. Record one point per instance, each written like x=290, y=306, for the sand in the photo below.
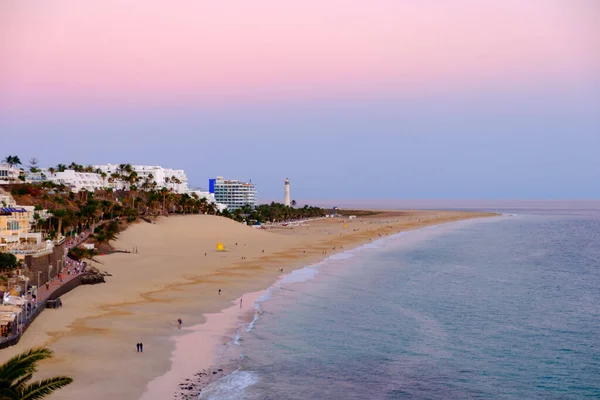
x=177, y=273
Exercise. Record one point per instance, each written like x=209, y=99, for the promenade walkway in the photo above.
x=44, y=293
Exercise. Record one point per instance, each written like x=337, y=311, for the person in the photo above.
x=240, y=302
x=137, y=347
x=141, y=347
x=219, y=292
x=47, y=286
x=180, y=322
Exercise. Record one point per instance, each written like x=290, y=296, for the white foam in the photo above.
x=237, y=337
x=231, y=387
x=341, y=256
x=300, y=275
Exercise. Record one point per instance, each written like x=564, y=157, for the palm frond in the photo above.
x=9, y=394
x=23, y=364
x=23, y=381
x=41, y=389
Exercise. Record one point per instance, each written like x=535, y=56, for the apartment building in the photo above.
x=233, y=193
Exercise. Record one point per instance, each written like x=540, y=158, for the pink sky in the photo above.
x=123, y=52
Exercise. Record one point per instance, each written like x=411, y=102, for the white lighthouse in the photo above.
x=286, y=198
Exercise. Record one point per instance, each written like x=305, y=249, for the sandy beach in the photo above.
x=177, y=273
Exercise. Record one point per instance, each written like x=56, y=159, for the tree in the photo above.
x=33, y=165
x=294, y=203
x=8, y=261
x=12, y=161
x=16, y=374
x=59, y=214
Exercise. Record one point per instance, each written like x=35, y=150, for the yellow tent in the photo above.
x=345, y=226
x=220, y=247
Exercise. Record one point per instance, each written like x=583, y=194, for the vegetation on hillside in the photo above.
x=16, y=375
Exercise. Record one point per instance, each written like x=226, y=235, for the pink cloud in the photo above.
x=67, y=52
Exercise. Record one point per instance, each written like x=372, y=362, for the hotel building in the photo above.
x=174, y=179
x=8, y=173
x=78, y=181
x=233, y=193
x=15, y=223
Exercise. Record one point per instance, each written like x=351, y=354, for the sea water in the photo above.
x=502, y=308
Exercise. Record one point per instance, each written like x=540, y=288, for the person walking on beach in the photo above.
x=219, y=292
x=141, y=347
x=137, y=347
x=241, y=302
x=180, y=322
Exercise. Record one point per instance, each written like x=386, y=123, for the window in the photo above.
x=12, y=225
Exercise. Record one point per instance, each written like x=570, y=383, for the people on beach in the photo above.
x=219, y=292
x=141, y=347
x=137, y=347
x=241, y=302
x=179, y=321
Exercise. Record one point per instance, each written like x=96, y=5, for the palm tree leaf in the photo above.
x=23, y=364
x=23, y=381
x=9, y=394
x=41, y=389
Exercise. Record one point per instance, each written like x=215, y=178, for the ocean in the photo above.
x=498, y=308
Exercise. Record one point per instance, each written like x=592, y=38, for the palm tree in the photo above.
x=16, y=373
x=12, y=161
x=59, y=214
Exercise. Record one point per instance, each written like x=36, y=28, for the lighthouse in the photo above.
x=286, y=198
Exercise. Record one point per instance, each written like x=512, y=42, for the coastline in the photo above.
x=104, y=323
x=187, y=379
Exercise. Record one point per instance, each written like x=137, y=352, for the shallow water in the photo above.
x=505, y=308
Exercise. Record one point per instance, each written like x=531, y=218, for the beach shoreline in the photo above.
x=231, y=325
x=177, y=275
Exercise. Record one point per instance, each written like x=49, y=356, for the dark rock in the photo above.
x=214, y=372
x=92, y=279
x=220, y=369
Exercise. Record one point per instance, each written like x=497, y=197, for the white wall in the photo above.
x=78, y=181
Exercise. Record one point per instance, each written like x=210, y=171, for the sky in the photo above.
x=385, y=99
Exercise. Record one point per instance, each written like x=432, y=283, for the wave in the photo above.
x=232, y=386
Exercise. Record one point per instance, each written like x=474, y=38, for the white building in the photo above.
x=233, y=193
x=78, y=181
x=8, y=173
x=174, y=179
x=210, y=197
x=15, y=226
